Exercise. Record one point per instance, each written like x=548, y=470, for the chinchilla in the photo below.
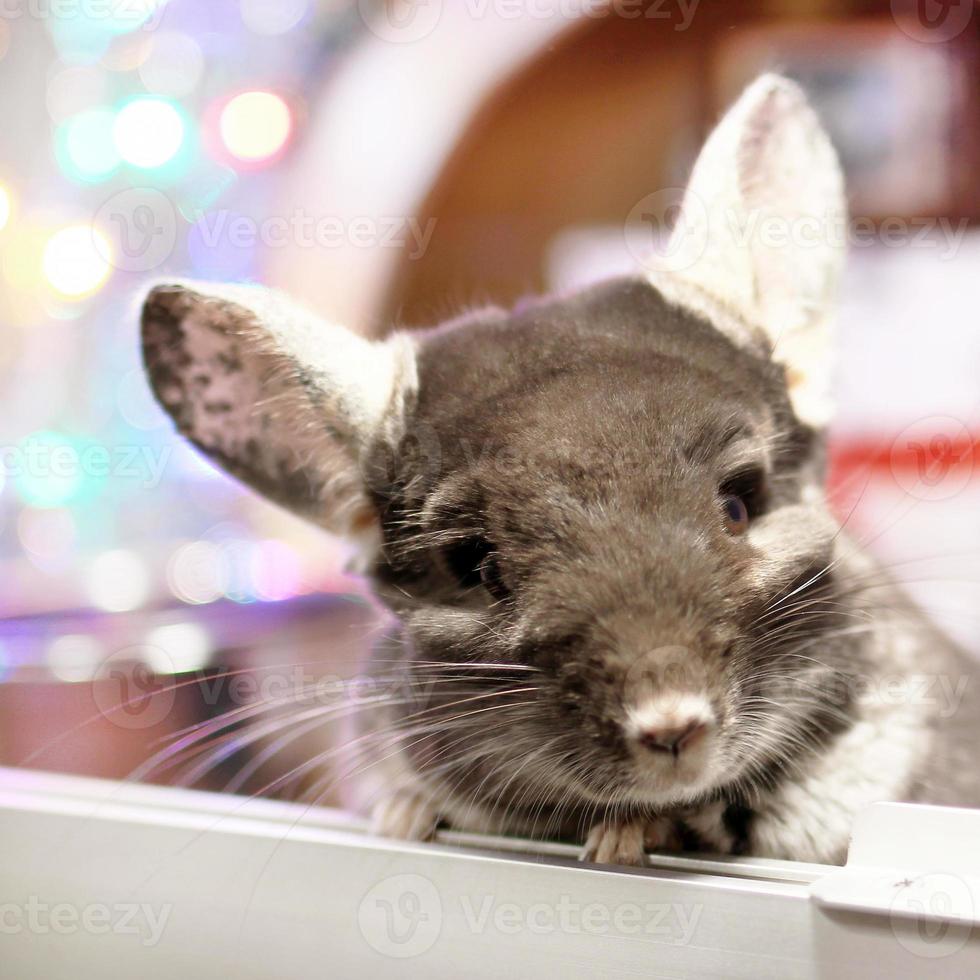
x=625, y=613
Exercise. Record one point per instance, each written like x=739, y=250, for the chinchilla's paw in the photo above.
x=404, y=815
x=627, y=841
x=662, y=834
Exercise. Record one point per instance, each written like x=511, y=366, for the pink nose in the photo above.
x=673, y=739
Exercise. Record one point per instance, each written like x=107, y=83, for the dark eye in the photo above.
x=474, y=563
x=736, y=514
x=742, y=497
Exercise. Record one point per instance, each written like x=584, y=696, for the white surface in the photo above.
x=223, y=887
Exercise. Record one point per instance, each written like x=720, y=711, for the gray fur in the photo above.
x=586, y=440
x=542, y=495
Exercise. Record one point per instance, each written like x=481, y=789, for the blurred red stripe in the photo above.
x=939, y=456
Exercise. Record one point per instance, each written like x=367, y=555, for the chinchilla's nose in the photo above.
x=672, y=740
x=670, y=724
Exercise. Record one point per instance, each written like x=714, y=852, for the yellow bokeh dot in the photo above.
x=5, y=207
x=74, y=261
x=255, y=125
x=23, y=250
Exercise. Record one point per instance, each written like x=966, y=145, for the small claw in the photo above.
x=661, y=834
x=616, y=843
x=404, y=815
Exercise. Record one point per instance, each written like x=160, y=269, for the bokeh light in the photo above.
x=83, y=33
x=149, y=126
x=118, y=581
x=73, y=90
x=132, y=15
x=149, y=132
x=75, y=261
x=127, y=53
x=196, y=573
x=47, y=534
x=79, y=40
x=276, y=571
x=48, y=469
x=74, y=658
x=238, y=584
x=255, y=126
x=177, y=648
x=23, y=253
x=174, y=65
x=85, y=146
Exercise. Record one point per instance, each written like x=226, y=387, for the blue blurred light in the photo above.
x=84, y=146
x=52, y=469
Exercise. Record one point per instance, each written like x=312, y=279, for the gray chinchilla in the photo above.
x=626, y=615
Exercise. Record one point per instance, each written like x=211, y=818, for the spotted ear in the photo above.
x=279, y=398
x=761, y=235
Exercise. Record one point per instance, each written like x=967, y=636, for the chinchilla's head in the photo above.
x=616, y=494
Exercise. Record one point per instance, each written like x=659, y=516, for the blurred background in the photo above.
x=394, y=163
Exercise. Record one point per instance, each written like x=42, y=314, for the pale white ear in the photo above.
x=279, y=398
x=761, y=234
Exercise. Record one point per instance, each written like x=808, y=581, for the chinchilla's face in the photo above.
x=607, y=490
x=611, y=500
